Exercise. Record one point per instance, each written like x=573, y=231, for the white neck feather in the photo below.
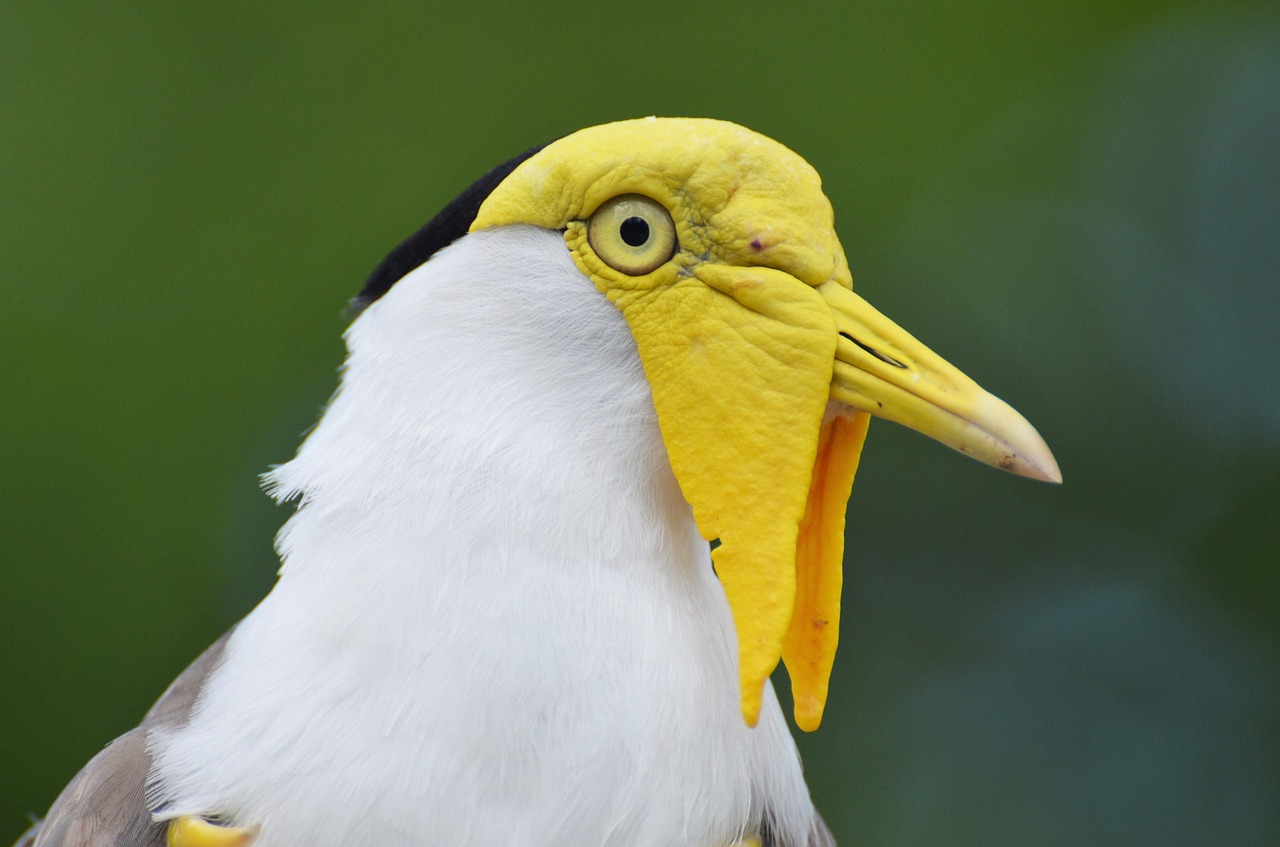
x=483, y=406
x=495, y=617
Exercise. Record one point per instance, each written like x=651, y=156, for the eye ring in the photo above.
x=633, y=234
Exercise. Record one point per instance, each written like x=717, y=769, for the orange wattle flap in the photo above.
x=809, y=647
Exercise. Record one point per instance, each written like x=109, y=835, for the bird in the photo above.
x=580, y=490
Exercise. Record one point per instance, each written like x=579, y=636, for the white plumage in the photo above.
x=496, y=621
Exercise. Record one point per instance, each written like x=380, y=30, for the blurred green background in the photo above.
x=1077, y=203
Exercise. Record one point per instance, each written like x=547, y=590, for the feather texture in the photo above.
x=104, y=805
x=496, y=621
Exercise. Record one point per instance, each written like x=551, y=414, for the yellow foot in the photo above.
x=192, y=831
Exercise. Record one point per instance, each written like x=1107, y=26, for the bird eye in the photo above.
x=632, y=234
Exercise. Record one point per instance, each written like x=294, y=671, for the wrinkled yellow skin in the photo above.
x=764, y=368
x=738, y=347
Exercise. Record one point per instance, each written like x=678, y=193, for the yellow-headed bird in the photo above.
x=497, y=620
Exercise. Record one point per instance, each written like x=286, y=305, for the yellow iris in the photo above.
x=763, y=362
x=633, y=234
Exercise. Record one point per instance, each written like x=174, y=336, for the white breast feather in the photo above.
x=495, y=623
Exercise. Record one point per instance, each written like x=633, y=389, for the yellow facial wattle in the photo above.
x=747, y=328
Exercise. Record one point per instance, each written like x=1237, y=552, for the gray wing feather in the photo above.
x=105, y=804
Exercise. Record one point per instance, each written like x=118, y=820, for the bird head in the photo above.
x=719, y=248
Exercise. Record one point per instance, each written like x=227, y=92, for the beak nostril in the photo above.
x=888, y=360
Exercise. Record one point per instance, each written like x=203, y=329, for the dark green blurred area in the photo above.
x=1078, y=204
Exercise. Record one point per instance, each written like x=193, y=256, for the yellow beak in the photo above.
x=764, y=366
x=880, y=368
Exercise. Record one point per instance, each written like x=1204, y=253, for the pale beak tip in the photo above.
x=1018, y=448
x=1033, y=459
x=1044, y=468
x=1053, y=473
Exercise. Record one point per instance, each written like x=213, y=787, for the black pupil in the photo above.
x=634, y=231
